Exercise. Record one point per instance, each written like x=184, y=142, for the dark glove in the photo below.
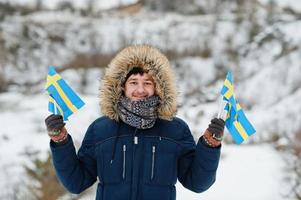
x=54, y=124
x=216, y=128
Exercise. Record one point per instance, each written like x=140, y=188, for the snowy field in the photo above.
x=268, y=85
x=246, y=172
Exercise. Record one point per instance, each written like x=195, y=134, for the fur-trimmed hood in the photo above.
x=150, y=59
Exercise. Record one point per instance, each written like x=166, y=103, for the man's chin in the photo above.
x=138, y=98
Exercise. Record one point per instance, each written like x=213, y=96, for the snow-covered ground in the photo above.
x=78, y=4
x=246, y=172
x=266, y=72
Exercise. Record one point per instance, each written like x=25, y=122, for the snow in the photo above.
x=77, y=4
x=242, y=168
x=245, y=172
x=293, y=4
x=266, y=71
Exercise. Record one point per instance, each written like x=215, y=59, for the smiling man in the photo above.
x=139, y=85
x=138, y=149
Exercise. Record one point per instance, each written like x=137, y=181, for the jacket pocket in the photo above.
x=124, y=161
x=153, y=161
x=114, y=170
x=160, y=165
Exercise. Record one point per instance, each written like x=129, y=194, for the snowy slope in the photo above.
x=266, y=68
x=77, y=4
x=243, y=169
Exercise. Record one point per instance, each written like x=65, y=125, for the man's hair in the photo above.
x=135, y=70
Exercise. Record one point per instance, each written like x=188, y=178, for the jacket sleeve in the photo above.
x=75, y=171
x=197, y=164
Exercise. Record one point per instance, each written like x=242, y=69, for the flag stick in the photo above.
x=222, y=113
x=55, y=110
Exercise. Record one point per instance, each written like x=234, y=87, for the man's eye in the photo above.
x=133, y=83
x=148, y=83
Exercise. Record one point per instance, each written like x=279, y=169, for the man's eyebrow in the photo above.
x=135, y=79
x=132, y=79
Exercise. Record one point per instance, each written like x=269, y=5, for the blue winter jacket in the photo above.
x=136, y=164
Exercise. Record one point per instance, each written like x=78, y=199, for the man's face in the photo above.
x=138, y=87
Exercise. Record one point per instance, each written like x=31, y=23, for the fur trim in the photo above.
x=157, y=66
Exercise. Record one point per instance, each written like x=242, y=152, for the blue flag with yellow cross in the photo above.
x=236, y=121
x=62, y=99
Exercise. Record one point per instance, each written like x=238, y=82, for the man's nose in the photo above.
x=140, y=88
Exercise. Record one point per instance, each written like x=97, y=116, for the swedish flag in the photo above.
x=62, y=99
x=236, y=122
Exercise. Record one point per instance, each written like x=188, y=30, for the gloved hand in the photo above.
x=216, y=128
x=213, y=135
x=55, y=127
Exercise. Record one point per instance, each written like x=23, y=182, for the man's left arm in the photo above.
x=197, y=164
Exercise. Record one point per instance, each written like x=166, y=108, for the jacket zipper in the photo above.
x=135, y=137
x=153, y=161
x=124, y=159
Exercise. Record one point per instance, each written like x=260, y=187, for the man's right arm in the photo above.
x=75, y=171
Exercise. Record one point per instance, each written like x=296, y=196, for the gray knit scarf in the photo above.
x=141, y=114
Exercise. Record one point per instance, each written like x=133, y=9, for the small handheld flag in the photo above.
x=236, y=121
x=62, y=99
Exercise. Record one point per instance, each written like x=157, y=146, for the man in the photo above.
x=138, y=149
